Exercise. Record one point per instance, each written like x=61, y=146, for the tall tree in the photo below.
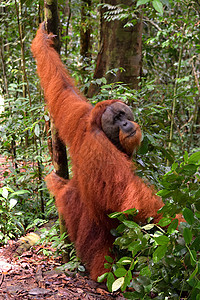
x=120, y=47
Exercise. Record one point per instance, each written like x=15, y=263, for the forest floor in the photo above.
x=33, y=275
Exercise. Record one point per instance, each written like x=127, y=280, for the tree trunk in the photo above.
x=59, y=150
x=85, y=29
x=119, y=47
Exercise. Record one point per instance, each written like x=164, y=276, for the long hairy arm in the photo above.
x=66, y=105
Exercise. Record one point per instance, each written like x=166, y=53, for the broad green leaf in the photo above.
x=148, y=226
x=117, y=284
x=135, y=247
x=174, y=166
x=20, y=192
x=107, y=266
x=110, y=280
x=188, y=215
x=162, y=240
x=189, y=170
x=158, y=6
x=130, y=224
x=159, y=253
x=141, y=2
x=103, y=79
x=126, y=283
x=194, y=158
x=109, y=259
x=173, y=226
x=4, y=192
x=187, y=234
x=164, y=222
x=125, y=260
x=120, y=272
x=12, y=203
x=163, y=193
x=102, y=277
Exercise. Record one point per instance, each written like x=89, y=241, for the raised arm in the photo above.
x=66, y=105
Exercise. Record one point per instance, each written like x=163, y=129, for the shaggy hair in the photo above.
x=103, y=177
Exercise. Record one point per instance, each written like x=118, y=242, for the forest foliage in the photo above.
x=166, y=106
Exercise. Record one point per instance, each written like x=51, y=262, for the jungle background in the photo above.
x=147, y=54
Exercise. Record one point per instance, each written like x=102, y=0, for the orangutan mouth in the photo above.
x=131, y=134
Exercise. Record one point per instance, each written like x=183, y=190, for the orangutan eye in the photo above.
x=118, y=116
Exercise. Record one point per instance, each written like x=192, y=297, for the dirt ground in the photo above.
x=34, y=276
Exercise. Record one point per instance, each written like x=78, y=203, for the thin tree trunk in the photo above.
x=67, y=11
x=85, y=29
x=59, y=150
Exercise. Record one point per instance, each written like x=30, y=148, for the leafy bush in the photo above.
x=12, y=221
x=155, y=262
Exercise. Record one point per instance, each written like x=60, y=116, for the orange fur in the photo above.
x=130, y=143
x=103, y=180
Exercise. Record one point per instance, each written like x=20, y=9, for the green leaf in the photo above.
x=141, y=2
x=193, y=256
x=159, y=253
x=131, y=211
x=120, y=272
x=125, y=261
x=174, y=166
x=185, y=156
x=12, y=203
x=104, y=81
x=20, y=192
x=173, y=226
x=194, y=158
x=102, y=277
x=145, y=272
x=109, y=259
x=98, y=81
x=130, y=224
x=37, y=130
x=117, y=284
x=193, y=273
x=110, y=280
x=162, y=240
x=135, y=247
x=148, y=226
x=158, y=6
x=189, y=170
x=163, y=193
x=164, y=222
x=187, y=234
x=115, y=215
x=188, y=215
x=4, y=192
x=107, y=266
